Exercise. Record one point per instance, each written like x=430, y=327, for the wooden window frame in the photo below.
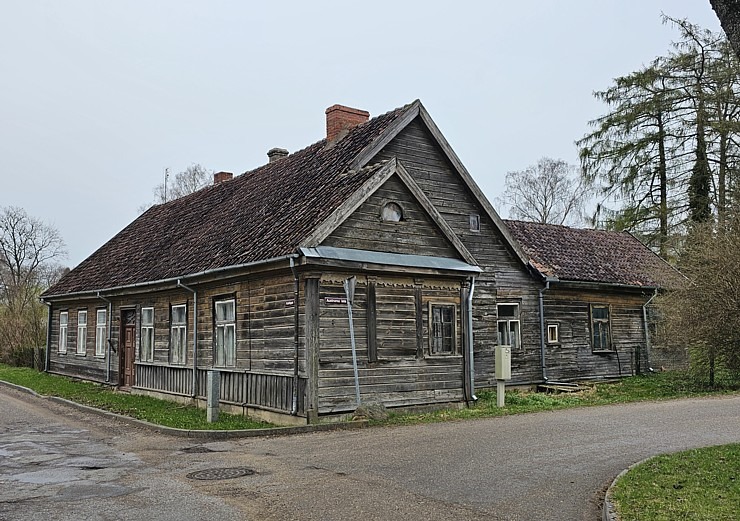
x=509, y=322
x=101, y=332
x=602, y=322
x=430, y=320
x=474, y=221
x=223, y=326
x=553, y=327
x=179, y=326
x=81, y=333
x=63, y=332
x=147, y=336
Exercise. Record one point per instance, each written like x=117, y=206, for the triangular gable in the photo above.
x=416, y=109
x=384, y=172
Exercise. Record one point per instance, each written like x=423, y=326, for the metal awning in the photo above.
x=389, y=259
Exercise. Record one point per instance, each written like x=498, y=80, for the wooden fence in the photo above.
x=268, y=391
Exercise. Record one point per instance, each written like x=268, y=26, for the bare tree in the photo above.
x=728, y=12
x=190, y=180
x=29, y=251
x=549, y=192
x=709, y=260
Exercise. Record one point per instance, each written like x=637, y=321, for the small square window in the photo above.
x=474, y=222
x=553, y=335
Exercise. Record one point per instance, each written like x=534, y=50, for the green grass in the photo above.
x=658, y=386
x=696, y=485
x=146, y=408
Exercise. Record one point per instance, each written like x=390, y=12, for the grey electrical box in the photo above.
x=503, y=363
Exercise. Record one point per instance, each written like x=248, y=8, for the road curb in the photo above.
x=202, y=434
x=609, y=511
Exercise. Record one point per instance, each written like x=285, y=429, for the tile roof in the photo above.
x=261, y=214
x=572, y=254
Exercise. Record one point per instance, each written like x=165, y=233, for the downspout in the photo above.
x=471, y=366
x=47, y=362
x=195, y=336
x=542, y=329
x=110, y=333
x=296, y=287
x=647, y=329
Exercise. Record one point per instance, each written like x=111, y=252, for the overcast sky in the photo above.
x=97, y=98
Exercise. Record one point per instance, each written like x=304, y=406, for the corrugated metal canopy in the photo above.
x=391, y=259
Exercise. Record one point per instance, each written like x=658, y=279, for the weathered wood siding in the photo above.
x=265, y=342
x=504, y=278
x=416, y=234
x=86, y=366
x=573, y=357
x=404, y=372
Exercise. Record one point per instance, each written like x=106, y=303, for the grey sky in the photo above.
x=97, y=98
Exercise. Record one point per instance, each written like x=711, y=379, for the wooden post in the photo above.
x=312, y=348
x=213, y=394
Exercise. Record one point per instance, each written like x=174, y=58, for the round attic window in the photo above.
x=391, y=212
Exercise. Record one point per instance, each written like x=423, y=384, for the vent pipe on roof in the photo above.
x=277, y=153
x=339, y=119
x=220, y=177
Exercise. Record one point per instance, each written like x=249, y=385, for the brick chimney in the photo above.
x=276, y=153
x=339, y=119
x=220, y=177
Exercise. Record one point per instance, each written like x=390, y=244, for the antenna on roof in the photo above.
x=166, y=176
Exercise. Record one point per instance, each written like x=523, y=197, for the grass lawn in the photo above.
x=161, y=412
x=637, y=388
x=658, y=386
x=696, y=485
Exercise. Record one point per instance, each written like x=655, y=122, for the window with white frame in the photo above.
x=225, y=333
x=63, y=320
x=508, y=325
x=442, y=330
x=601, y=338
x=101, y=331
x=146, y=348
x=82, y=332
x=178, y=333
x=553, y=334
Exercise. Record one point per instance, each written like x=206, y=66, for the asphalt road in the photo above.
x=59, y=463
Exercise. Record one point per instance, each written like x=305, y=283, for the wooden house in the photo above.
x=249, y=277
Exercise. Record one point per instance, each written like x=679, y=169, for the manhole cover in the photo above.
x=234, y=472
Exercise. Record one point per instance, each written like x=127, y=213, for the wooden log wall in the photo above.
x=504, y=278
x=88, y=366
x=415, y=234
x=265, y=327
x=573, y=357
x=404, y=372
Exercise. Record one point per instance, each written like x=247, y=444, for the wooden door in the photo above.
x=128, y=350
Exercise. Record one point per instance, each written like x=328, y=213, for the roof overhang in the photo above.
x=381, y=261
